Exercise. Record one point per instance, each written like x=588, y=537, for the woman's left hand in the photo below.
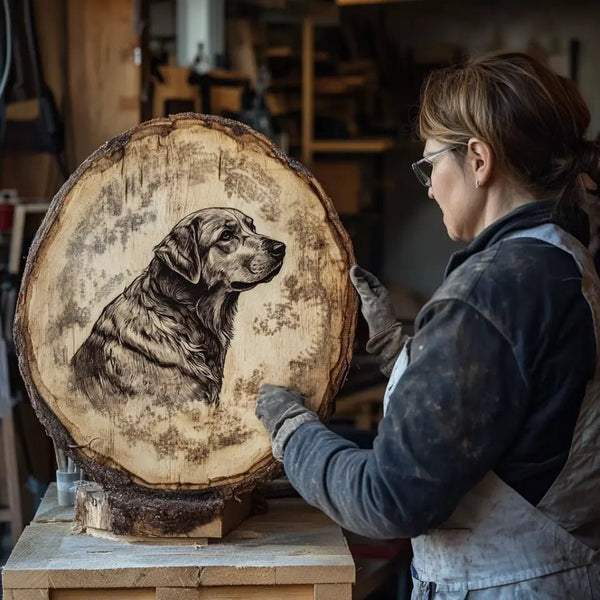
x=281, y=411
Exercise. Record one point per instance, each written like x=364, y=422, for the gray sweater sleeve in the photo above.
x=450, y=418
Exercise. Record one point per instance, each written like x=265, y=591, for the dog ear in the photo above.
x=179, y=251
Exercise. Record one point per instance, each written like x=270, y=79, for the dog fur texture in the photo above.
x=167, y=335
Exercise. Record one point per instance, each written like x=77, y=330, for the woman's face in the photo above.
x=453, y=188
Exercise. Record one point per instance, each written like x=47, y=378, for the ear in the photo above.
x=480, y=156
x=180, y=252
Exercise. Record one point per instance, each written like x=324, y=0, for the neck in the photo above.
x=213, y=308
x=500, y=199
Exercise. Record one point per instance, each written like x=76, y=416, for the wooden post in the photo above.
x=308, y=83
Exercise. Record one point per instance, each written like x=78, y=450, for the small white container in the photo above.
x=66, y=485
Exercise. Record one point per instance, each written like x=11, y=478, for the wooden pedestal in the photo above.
x=294, y=552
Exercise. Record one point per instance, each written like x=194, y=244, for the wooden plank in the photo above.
x=241, y=575
x=333, y=591
x=235, y=592
x=104, y=594
x=308, y=82
x=352, y=146
x=104, y=81
x=292, y=544
x=313, y=574
x=50, y=512
x=26, y=595
x=358, y=2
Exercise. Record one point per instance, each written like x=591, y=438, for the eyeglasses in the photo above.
x=424, y=167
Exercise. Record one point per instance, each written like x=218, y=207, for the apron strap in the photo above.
x=590, y=283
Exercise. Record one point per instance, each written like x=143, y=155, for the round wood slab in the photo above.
x=183, y=264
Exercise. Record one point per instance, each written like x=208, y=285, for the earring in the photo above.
x=476, y=183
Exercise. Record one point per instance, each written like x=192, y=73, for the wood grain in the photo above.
x=266, y=550
x=104, y=82
x=234, y=592
x=104, y=594
x=97, y=241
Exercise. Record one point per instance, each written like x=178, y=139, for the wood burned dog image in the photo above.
x=168, y=333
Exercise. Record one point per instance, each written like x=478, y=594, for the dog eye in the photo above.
x=226, y=235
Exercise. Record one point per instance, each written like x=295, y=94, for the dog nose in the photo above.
x=276, y=249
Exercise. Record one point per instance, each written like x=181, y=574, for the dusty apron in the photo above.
x=496, y=545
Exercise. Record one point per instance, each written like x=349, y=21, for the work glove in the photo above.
x=386, y=339
x=281, y=411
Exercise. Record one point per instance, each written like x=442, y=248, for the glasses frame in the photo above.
x=416, y=166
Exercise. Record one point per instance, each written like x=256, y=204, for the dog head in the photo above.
x=219, y=247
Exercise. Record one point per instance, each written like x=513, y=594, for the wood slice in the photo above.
x=183, y=264
x=112, y=515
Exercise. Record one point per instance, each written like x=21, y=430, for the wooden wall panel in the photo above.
x=104, y=82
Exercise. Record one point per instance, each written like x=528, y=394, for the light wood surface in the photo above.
x=114, y=233
x=236, y=592
x=293, y=548
x=122, y=594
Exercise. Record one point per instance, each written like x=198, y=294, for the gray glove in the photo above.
x=375, y=303
x=386, y=339
x=281, y=411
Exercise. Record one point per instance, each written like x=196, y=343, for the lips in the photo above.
x=240, y=286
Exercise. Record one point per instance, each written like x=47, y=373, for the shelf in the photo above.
x=352, y=146
x=326, y=85
x=355, y=2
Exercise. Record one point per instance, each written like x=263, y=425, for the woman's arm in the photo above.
x=450, y=418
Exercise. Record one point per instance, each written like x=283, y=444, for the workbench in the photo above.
x=294, y=551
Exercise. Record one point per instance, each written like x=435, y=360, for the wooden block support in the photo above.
x=96, y=516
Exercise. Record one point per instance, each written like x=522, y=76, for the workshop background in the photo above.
x=335, y=84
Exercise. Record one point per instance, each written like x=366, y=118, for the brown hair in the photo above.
x=533, y=119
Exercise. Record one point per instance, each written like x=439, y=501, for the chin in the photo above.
x=455, y=236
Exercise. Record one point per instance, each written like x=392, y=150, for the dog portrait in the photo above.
x=167, y=334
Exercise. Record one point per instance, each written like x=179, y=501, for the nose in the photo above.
x=430, y=192
x=276, y=249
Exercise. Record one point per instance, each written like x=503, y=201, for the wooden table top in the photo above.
x=293, y=543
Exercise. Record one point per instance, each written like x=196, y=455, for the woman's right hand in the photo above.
x=376, y=304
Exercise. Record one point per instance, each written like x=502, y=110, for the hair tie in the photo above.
x=588, y=158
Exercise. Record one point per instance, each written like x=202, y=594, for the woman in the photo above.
x=489, y=451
